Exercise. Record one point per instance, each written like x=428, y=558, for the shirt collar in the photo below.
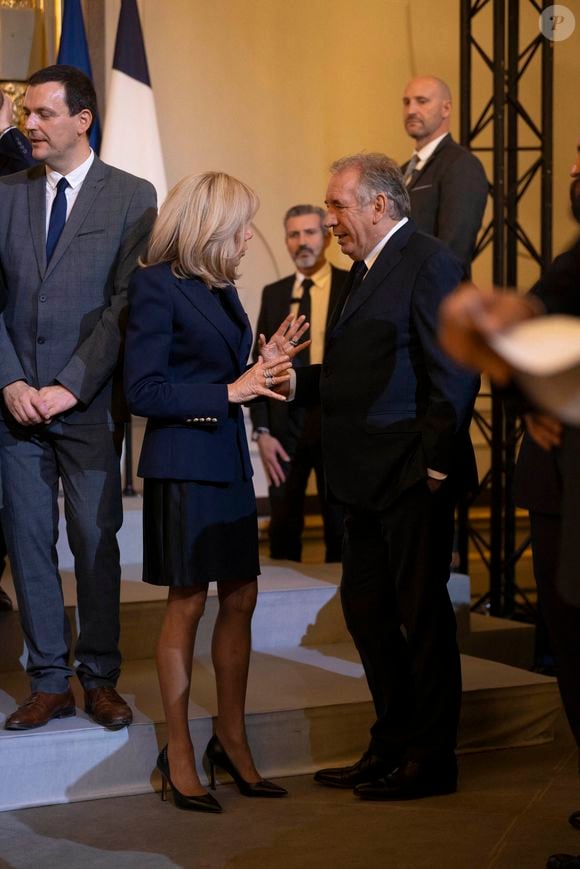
x=319, y=276
x=74, y=178
x=373, y=255
x=427, y=150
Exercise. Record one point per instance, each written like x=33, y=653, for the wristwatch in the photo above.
x=260, y=430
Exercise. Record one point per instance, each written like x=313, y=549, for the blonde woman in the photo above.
x=188, y=342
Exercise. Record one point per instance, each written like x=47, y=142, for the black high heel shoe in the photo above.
x=203, y=803
x=217, y=756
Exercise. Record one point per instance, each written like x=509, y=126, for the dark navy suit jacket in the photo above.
x=448, y=198
x=182, y=349
x=15, y=152
x=538, y=479
x=393, y=404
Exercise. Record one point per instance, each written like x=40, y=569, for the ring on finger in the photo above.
x=294, y=341
x=269, y=380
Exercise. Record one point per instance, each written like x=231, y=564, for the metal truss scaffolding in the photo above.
x=506, y=117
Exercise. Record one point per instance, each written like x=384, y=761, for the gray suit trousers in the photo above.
x=85, y=459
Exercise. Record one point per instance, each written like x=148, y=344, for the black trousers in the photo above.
x=287, y=507
x=397, y=608
x=562, y=618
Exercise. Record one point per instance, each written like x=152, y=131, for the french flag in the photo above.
x=74, y=51
x=130, y=134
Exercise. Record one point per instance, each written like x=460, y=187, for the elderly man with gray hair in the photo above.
x=396, y=449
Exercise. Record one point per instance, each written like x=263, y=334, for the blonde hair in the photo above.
x=200, y=227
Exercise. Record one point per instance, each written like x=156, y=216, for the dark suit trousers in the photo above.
x=287, y=507
x=397, y=608
x=562, y=618
x=85, y=459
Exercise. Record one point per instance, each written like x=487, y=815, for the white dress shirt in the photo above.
x=75, y=180
x=426, y=151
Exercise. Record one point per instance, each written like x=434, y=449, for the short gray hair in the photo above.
x=378, y=174
x=300, y=210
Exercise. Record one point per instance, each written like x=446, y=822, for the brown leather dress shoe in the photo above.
x=40, y=708
x=367, y=769
x=107, y=708
x=5, y=602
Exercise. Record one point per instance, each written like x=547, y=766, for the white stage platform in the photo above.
x=308, y=704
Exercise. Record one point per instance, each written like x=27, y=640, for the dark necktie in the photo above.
x=357, y=272
x=305, y=307
x=410, y=170
x=57, y=218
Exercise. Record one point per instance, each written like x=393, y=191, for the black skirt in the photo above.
x=197, y=532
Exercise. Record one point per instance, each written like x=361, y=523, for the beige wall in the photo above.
x=273, y=91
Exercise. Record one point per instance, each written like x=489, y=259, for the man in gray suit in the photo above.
x=446, y=182
x=71, y=231
x=15, y=154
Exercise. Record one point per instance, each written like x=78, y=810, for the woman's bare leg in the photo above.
x=231, y=657
x=174, y=658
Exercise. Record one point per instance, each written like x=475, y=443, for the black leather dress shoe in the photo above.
x=367, y=769
x=412, y=780
x=563, y=861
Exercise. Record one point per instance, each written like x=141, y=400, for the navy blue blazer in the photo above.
x=182, y=349
x=15, y=152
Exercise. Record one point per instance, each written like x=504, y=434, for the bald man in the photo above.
x=446, y=182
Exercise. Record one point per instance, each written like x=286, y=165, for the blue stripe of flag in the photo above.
x=74, y=51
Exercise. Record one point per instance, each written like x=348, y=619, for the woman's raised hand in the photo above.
x=286, y=340
x=261, y=379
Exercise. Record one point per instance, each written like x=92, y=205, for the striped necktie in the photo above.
x=410, y=170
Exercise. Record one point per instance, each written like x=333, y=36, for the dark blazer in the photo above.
x=285, y=420
x=15, y=152
x=393, y=404
x=538, y=476
x=61, y=323
x=448, y=198
x=181, y=350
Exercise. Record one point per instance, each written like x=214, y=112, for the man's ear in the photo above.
x=380, y=207
x=84, y=119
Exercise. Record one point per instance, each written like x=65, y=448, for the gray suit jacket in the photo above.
x=448, y=198
x=61, y=323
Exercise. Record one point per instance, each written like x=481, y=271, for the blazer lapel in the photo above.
x=336, y=288
x=341, y=298
x=419, y=175
x=91, y=187
x=386, y=261
x=37, y=214
x=237, y=309
x=202, y=299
